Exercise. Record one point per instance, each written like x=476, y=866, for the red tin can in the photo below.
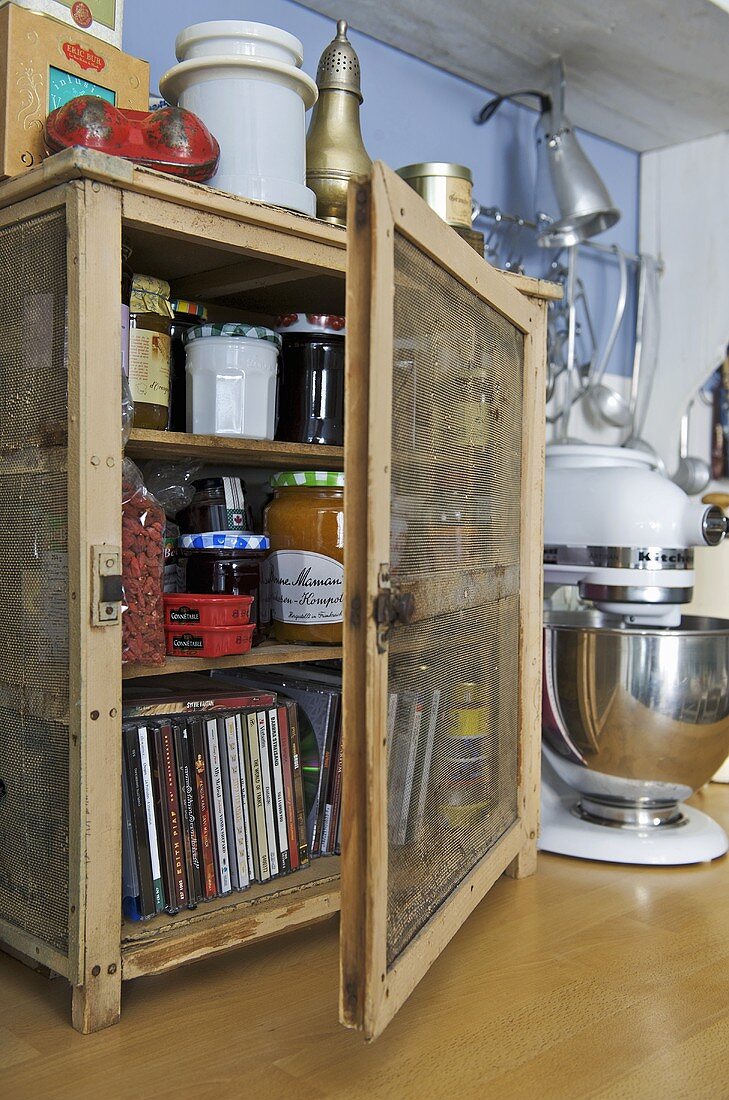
x=207, y=612
x=221, y=641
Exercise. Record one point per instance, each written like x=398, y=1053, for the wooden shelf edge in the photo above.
x=266, y=654
x=146, y=444
x=254, y=915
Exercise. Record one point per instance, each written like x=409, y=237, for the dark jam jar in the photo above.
x=219, y=504
x=311, y=384
x=224, y=564
x=185, y=315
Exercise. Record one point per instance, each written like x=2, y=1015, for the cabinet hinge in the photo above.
x=106, y=585
x=392, y=605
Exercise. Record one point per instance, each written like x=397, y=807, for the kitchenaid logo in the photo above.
x=619, y=557
x=665, y=557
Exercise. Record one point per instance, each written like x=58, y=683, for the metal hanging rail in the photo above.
x=494, y=214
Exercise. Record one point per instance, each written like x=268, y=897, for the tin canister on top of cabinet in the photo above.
x=445, y=187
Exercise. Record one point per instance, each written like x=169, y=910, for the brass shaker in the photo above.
x=335, y=151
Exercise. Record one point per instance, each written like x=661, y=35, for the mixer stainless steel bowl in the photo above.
x=635, y=719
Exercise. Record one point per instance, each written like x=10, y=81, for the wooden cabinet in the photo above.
x=443, y=460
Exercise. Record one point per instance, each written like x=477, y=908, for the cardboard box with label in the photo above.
x=44, y=64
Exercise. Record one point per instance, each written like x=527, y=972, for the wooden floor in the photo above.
x=588, y=980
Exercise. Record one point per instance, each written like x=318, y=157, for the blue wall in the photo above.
x=415, y=112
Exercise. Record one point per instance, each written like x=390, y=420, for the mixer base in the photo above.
x=699, y=840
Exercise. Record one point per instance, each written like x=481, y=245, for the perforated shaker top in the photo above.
x=339, y=65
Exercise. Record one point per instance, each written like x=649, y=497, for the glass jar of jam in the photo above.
x=221, y=563
x=149, y=351
x=185, y=316
x=305, y=523
x=219, y=504
x=311, y=393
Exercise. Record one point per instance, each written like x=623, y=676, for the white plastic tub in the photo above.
x=231, y=381
x=254, y=103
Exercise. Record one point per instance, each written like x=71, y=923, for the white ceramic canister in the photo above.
x=253, y=97
x=231, y=380
x=241, y=37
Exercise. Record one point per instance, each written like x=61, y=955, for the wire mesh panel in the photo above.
x=34, y=635
x=455, y=548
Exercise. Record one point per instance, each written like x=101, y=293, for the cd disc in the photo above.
x=310, y=762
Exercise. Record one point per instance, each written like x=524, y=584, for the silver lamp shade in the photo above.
x=572, y=201
x=583, y=205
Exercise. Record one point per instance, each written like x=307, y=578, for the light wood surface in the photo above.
x=531, y=570
x=264, y=910
x=585, y=980
x=372, y=989
x=144, y=444
x=94, y=462
x=266, y=654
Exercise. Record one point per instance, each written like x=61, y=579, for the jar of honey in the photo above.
x=149, y=351
x=305, y=524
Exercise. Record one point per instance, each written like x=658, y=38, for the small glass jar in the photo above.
x=220, y=564
x=219, y=504
x=305, y=523
x=185, y=316
x=149, y=351
x=311, y=393
x=232, y=373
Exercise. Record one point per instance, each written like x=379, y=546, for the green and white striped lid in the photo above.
x=250, y=332
x=332, y=479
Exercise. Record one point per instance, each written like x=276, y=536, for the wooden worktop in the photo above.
x=588, y=980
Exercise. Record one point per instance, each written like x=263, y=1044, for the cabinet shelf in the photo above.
x=264, y=910
x=270, y=653
x=144, y=444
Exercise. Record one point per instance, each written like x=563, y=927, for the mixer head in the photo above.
x=622, y=533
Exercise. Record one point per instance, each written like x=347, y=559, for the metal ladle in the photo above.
x=604, y=401
x=692, y=474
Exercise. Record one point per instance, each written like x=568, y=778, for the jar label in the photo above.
x=235, y=503
x=187, y=642
x=458, y=202
x=306, y=588
x=149, y=366
x=184, y=615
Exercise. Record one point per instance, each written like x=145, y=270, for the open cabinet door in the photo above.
x=442, y=635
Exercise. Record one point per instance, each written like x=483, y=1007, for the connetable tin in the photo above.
x=445, y=187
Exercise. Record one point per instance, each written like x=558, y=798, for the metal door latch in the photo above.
x=391, y=606
x=106, y=585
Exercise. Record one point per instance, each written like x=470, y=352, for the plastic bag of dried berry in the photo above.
x=143, y=521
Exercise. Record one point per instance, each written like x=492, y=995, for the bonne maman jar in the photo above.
x=305, y=525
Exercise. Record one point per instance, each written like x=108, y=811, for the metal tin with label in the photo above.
x=445, y=187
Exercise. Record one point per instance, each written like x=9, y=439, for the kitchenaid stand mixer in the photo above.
x=636, y=700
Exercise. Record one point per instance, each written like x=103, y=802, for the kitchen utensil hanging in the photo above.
x=604, y=402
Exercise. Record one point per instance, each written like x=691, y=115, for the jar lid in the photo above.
x=249, y=332
x=435, y=168
x=150, y=295
x=312, y=322
x=224, y=540
x=331, y=479
x=203, y=483
x=189, y=309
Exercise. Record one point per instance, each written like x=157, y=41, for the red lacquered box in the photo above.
x=184, y=610
x=220, y=641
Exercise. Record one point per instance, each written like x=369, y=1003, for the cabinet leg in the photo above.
x=525, y=862
x=97, y=1004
